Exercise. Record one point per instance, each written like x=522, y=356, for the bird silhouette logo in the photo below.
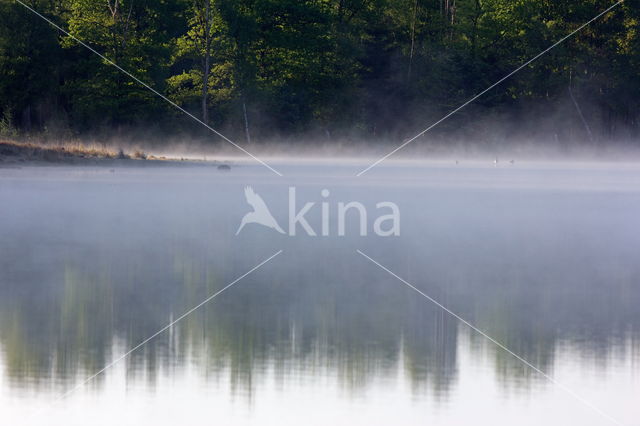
x=260, y=214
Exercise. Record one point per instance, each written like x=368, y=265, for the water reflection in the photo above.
x=84, y=281
x=319, y=320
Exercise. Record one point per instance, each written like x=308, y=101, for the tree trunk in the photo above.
x=205, y=88
x=413, y=38
x=581, y=115
x=206, y=62
x=246, y=120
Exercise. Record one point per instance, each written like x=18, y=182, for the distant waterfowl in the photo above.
x=224, y=167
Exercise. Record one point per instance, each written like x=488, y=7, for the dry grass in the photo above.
x=73, y=149
x=139, y=155
x=90, y=150
x=26, y=150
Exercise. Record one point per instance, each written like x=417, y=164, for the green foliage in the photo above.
x=29, y=58
x=374, y=68
x=128, y=33
x=7, y=129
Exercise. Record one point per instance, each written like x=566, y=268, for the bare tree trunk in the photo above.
x=413, y=38
x=474, y=34
x=113, y=8
x=207, y=61
x=584, y=121
x=246, y=120
x=452, y=18
x=205, y=89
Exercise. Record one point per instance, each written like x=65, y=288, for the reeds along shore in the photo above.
x=16, y=151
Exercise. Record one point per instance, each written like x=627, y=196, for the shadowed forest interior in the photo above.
x=321, y=70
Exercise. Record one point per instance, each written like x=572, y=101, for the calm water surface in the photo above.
x=543, y=258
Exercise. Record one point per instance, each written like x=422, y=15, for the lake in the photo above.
x=543, y=258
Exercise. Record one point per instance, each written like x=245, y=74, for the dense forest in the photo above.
x=321, y=69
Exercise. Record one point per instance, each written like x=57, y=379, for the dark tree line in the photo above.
x=374, y=69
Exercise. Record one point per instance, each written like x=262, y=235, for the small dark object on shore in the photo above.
x=121, y=155
x=139, y=155
x=224, y=167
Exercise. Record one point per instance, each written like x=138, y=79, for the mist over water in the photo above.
x=540, y=256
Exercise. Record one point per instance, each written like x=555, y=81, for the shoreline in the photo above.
x=13, y=153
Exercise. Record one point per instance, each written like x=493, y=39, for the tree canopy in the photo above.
x=371, y=69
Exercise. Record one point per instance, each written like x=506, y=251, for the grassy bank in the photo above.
x=71, y=152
